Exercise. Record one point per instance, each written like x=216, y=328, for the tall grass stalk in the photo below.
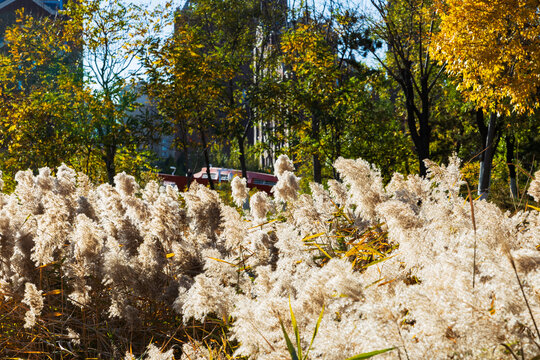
x=513, y=263
x=124, y=271
x=474, y=228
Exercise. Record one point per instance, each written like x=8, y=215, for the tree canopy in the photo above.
x=239, y=82
x=493, y=47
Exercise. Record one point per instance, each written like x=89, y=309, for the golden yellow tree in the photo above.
x=493, y=46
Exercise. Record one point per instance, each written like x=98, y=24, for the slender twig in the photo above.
x=529, y=178
x=402, y=341
x=510, y=351
x=524, y=296
x=474, y=228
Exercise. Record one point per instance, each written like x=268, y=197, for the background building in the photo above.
x=8, y=10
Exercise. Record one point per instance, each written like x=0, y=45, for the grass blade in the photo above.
x=322, y=250
x=314, y=333
x=296, y=332
x=369, y=354
x=290, y=346
x=378, y=261
x=313, y=236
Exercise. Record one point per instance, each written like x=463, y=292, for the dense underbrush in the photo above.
x=130, y=272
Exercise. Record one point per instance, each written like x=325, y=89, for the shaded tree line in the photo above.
x=395, y=83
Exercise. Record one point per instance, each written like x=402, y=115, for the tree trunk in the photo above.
x=315, y=125
x=180, y=135
x=425, y=129
x=206, y=159
x=419, y=136
x=486, y=163
x=110, y=152
x=423, y=154
x=510, y=144
x=482, y=128
x=242, y=156
x=336, y=138
x=89, y=153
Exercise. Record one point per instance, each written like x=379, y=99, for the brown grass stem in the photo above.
x=509, y=349
x=402, y=342
x=524, y=296
x=474, y=228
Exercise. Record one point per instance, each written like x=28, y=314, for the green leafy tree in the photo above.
x=406, y=28
x=312, y=86
x=112, y=33
x=41, y=88
x=374, y=127
x=326, y=101
x=182, y=82
x=202, y=77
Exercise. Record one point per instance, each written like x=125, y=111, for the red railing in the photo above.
x=253, y=181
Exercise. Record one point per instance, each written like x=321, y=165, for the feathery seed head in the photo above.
x=239, y=190
x=282, y=164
